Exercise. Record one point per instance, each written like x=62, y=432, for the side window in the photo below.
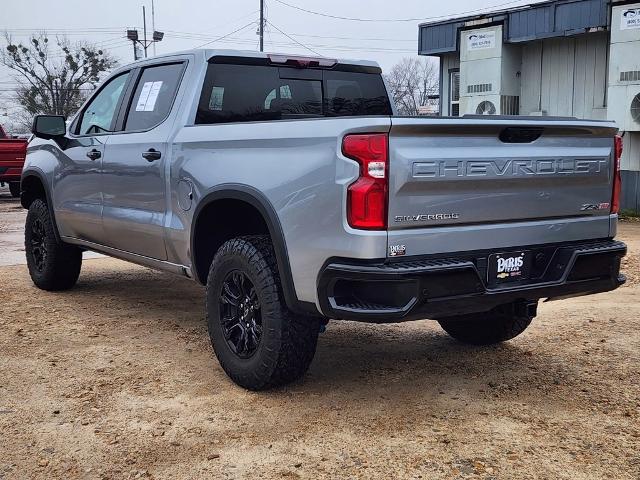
x=99, y=115
x=153, y=97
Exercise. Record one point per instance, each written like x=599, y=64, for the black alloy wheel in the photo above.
x=53, y=265
x=241, y=316
x=259, y=342
x=38, y=244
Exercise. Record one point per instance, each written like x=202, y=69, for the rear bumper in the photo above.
x=441, y=286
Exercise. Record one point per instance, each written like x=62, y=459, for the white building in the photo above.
x=572, y=58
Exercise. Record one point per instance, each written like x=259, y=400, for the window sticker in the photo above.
x=153, y=97
x=217, y=96
x=148, y=96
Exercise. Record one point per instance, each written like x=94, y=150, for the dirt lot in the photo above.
x=116, y=379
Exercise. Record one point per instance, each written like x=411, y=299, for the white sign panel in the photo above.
x=479, y=41
x=148, y=96
x=630, y=18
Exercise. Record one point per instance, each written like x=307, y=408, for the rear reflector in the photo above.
x=367, y=196
x=617, y=179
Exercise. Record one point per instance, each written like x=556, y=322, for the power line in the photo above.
x=421, y=19
x=194, y=34
x=200, y=36
x=245, y=41
x=33, y=29
x=227, y=35
x=293, y=39
x=413, y=40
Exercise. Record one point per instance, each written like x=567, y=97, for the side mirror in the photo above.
x=49, y=126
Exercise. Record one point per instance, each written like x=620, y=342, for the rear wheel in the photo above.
x=14, y=189
x=498, y=325
x=53, y=265
x=260, y=344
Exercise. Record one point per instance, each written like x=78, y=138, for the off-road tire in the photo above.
x=59, y=268
x=14, y=189
x=288, y=341
x=498, y=325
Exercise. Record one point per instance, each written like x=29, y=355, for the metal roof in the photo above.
x=555, y=18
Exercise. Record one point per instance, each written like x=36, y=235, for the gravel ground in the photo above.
x=116, y=379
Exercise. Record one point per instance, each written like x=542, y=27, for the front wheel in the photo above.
x=260, y=344
x=14, y=189
x=53, y=265
x=498, y=325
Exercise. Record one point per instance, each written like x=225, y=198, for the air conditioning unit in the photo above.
x=489, y=80
x=623, y=96
x=490, y=105
x=624, y=107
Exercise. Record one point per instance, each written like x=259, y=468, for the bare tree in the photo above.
x=53, y=79
x=411, y=81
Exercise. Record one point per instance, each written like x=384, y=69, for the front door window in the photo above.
x=99, y=115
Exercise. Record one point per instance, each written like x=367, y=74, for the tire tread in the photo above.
x=291, y=356
x=495, y=326
x=64, y=261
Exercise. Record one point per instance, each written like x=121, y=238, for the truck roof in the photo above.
x=208, y=53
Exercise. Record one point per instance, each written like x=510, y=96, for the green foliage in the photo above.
x=628, y=213
x=55, y=77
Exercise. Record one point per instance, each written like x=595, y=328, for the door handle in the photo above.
x=94, y=154
x=152, y=155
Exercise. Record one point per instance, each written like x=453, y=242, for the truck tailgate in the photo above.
x=478, y=171
x=12, y=154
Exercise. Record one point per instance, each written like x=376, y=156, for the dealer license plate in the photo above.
x=509, y=267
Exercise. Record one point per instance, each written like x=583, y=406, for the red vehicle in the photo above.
x=12, y=153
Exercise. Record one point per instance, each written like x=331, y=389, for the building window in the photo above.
x=454, y=93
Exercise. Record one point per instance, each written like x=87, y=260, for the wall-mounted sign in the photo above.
x=630, y=18
x=479, y=41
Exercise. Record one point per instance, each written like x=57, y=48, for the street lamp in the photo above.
x=135, y=38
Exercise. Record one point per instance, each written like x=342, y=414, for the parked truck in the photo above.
x=12, y=154
x=288, y=187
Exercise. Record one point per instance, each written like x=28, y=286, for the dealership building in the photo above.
x=570, y=58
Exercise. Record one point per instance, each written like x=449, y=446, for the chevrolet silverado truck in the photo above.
x=288, y=187
x=12, y=154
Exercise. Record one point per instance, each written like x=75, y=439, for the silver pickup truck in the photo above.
x=290, y=189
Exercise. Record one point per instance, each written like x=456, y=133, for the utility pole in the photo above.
x=144, y=24
x=153, y=24
x=133, y=35
x=262, y=25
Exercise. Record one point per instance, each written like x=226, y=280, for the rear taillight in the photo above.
x=617, y=179
x=367, y=196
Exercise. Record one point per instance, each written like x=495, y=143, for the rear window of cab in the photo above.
x=245, y=93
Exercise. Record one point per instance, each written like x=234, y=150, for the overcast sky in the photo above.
x=191, y=23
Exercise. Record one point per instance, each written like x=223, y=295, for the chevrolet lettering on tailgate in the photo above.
x=513, y=167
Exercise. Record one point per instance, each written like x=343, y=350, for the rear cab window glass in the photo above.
x=352, y=94
x=245, y=93
x=153, y=96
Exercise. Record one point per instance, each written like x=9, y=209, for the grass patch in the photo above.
x=629, y=214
